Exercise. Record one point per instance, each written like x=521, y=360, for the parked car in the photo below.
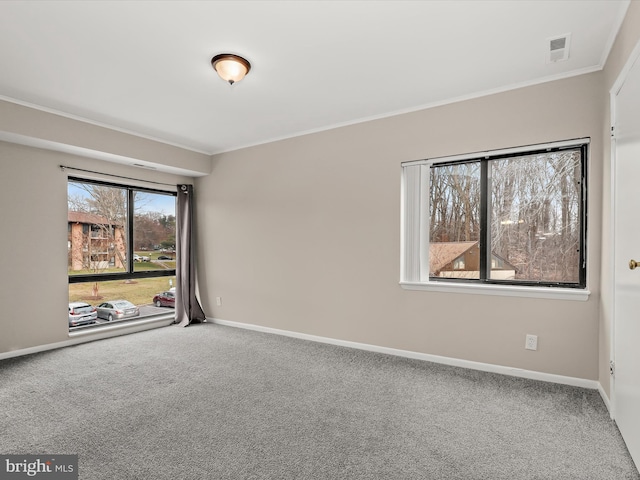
x=81, y=313
x=165, y=299
x=140, y=258
x=116, y=309
x=164, y=257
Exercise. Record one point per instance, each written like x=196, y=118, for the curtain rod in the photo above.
x=64, y=167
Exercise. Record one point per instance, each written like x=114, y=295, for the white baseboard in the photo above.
x=485, y=367
x=91, y=334
x=606, y=400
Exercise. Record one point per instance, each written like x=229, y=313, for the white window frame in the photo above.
x=414, y=234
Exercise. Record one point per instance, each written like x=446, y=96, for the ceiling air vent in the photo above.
x=558, y=48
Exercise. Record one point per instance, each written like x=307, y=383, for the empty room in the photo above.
x=320, y=239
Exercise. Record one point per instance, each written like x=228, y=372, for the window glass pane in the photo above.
x=137, y=270
x=97, y=234
x=95, y=303
x=535, y=217
x=454, y=226
x=154, y=231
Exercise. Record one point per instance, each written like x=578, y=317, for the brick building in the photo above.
x=94, y=242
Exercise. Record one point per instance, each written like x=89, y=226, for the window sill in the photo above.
x=123, y=325
x=501, y=290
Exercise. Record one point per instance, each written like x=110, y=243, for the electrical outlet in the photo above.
x=218, y=301
x=531, y=342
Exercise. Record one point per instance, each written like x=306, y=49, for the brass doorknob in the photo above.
x=633, y=264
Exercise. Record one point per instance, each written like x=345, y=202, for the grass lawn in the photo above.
x=137, y=267
x=138, y=292
x=159, y=265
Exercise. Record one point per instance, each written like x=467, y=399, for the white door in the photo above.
x=627, y=248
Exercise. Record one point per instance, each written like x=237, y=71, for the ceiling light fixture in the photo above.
x=231, y=68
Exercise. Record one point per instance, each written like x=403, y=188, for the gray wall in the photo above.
x=33, y=195
x=19, y=123
x=304, y=234
x=33, y=245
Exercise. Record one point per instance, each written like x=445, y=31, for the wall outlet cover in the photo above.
x=531, y=342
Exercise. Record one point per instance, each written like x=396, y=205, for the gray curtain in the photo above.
x=188, y=309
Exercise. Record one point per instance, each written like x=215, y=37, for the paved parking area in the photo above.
x=145, y=311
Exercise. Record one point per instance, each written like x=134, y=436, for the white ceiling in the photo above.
x=144, y=66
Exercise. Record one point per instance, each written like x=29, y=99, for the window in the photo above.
x=121, y=250
x=458, y=263
x=513, y=218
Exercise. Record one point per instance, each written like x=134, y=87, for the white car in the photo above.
x=139, y=258
x=81, y=313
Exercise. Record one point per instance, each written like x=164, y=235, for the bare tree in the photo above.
x=105, y=236
x=535, y=206
x=534, y=211
x=152, y=229
x=455, y=203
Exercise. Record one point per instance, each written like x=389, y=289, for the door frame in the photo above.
x=613, y=93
